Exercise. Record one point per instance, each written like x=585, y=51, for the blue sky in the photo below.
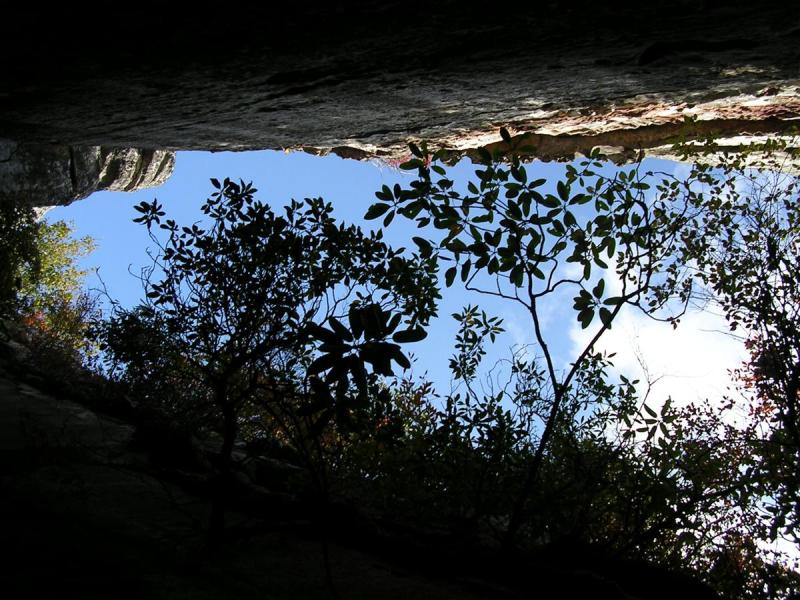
x=688, y=364
x=350, y=186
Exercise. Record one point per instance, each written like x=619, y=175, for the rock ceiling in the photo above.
x=363, y=81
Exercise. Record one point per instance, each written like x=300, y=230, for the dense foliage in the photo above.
x=586, y=460
x=41, y=287
x=232, y=335
x=267, y=330
x=18, y=252
x=506, y=238
x=747, y=252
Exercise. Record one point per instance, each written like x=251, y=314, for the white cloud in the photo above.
x=689, y=364
x=518, y=328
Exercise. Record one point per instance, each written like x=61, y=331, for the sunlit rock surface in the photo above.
x=48, y=175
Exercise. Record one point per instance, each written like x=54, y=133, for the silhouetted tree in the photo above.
x=584, y=458
x=235, y=309
x=746, y=248
x=507, y=238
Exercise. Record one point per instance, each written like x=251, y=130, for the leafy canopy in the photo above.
x=246, y=299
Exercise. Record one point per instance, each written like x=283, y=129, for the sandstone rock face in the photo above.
x=362, y=79
x=48, y=175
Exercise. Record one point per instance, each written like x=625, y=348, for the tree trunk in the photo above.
x=223, y=480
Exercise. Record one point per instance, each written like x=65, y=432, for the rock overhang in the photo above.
x=362, y=81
